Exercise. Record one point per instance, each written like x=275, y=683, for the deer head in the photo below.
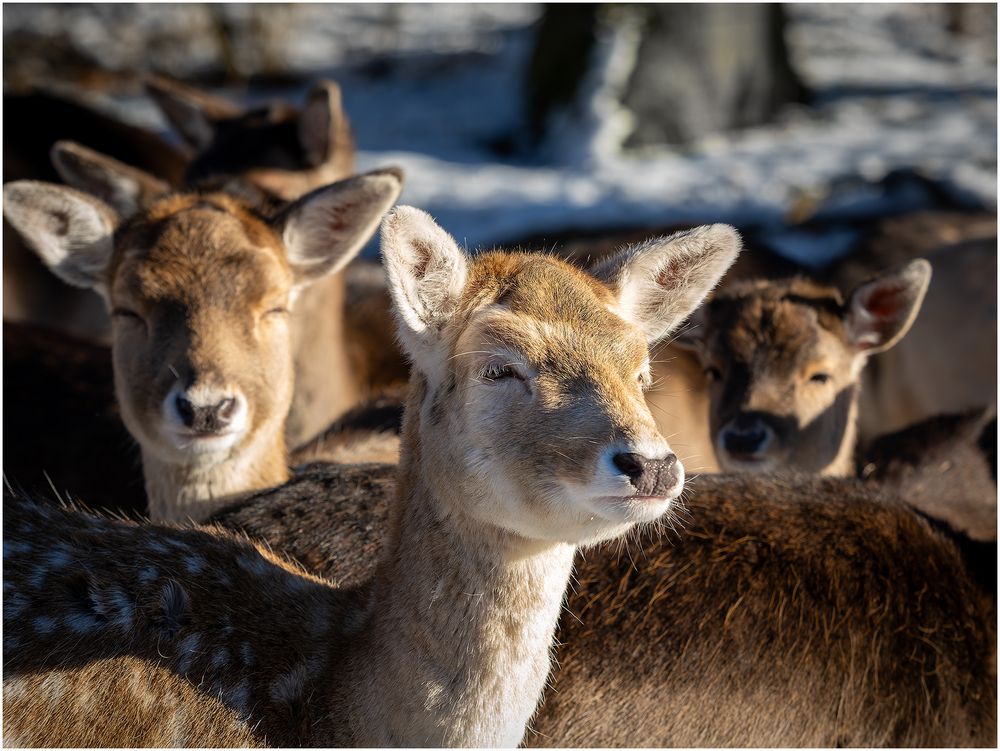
x=531, y=373
x=280, y=148
x=784, y=361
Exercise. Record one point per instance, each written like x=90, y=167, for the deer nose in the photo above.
x=206, y=418
x=652, y=477
x=746, y=440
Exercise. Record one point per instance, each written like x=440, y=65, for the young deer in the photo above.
x=787, y=612
x=199, y=286
x=343, y=346
x=784, y=359
x=449, y=643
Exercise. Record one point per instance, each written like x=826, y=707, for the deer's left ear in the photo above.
x=661, y=281
x=882, y=310
x=325, y=229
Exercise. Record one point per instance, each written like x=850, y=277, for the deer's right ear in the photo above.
x=661, y=281
x=126, y=189
x=70, y=231
x=426, y=273
x=192, y=112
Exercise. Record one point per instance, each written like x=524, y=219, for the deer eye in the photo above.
x=819, y=377
x=713, y=373
x=126, y=314
x=280, y=310
x=497, y=372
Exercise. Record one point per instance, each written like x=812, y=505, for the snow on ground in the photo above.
x=432, y=88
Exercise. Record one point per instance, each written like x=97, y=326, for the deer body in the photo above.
x=449, y=643
x=790, y=611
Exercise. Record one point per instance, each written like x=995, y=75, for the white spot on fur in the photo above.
x=238, y=699
x=246, y=654
x=194, y=564
x=148, y=575
x=45, y=625
x=12, y=548
x=220, y=658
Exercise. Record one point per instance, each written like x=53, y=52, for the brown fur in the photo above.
x=953, y=341
x=789, y=612
x=450, y=643
x=343, y=346
x=784, y=359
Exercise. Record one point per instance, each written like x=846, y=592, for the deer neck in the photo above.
x=182, y=492
x=325, y=386
x=843, y=464
x=460, y=626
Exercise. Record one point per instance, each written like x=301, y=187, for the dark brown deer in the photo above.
x=785, y=358
x=790, y=611
x=33, y=122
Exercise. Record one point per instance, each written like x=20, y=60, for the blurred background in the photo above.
x=539, y=121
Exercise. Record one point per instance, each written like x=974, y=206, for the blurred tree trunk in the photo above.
x=699, y=69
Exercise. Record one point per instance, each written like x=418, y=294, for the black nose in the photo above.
x=648, y=476
x=205, y=419
x=744, y=441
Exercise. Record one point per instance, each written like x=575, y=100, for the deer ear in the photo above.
x=325, y=229
x=661, y=281
x=426, y=272
x=323, y=125
x=882, y=310
x=192, y=112
x=70, y=231
x=126, y=189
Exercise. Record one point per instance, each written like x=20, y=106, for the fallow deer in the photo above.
x=221, y=644
x=784, y=359
x=343, y=343
x=199, y=286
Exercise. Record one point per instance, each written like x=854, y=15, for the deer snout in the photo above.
x=651, y=477
x=746, y=439
x=206, y=412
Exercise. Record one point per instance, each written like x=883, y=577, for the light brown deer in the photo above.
x=785, y=358
x=343, y=343
x=220, y=644
x=200, y=286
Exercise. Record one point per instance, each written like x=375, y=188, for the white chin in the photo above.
x=203, y=448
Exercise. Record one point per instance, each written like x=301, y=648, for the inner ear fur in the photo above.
x=72, y=232
x=325, y=229
x=662, y=281
x=881, y=310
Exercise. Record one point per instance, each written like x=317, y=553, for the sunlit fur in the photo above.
x=449, y=643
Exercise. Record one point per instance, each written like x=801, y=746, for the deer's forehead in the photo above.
x=784, y=333
x=197, y=257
